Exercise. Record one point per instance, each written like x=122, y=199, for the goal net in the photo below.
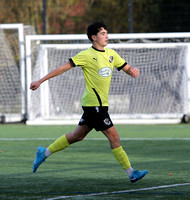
x=12, y=72
x=159, y=93
x=10, y=99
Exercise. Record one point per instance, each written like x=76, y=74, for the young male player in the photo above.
x=97, y=64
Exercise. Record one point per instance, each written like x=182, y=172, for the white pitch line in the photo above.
x=125, y=139
x=26, y=139
x=95, y=139
x=120, y=192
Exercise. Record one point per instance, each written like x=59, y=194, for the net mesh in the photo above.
x=10, y=98
x=10, y=80
x=158, y=90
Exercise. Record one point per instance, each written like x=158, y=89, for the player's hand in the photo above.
x=34, y=85
x=134, y=72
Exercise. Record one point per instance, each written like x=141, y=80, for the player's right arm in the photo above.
x=60, y=70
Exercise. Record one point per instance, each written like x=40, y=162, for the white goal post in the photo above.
x=13, y=72
x=12, y=106
x=33, y=42
x=160, y=95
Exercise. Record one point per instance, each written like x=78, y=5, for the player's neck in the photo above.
x=98, y=47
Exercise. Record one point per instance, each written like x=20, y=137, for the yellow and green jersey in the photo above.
x=97, y=67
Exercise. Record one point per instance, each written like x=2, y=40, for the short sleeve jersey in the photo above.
x=97, y=67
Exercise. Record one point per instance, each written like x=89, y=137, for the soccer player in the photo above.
x=97, y=64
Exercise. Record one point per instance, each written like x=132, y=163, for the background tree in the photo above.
x=73, y=16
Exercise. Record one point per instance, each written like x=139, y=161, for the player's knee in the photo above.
x=76, y=137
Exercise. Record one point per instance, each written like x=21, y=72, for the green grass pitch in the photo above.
x=88, y=170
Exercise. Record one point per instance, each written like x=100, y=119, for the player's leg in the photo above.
x=66, y=140
x=61, y=143
x=78, y=134
x=121, y=156
x=119, y=153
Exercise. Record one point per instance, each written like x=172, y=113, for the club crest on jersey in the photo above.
x=105, y=71
x=110, y=59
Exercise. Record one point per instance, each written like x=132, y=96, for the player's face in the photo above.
x=101, y=39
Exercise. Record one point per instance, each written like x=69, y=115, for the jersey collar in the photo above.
x=98, y=49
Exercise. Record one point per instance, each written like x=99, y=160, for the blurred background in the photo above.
x=165, y=70
x=121, y=16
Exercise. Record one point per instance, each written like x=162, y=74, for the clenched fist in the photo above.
x=134, y=72
x=34, y=85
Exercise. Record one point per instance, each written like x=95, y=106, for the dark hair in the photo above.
x=94, y=28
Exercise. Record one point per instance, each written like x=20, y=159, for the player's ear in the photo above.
x=93, y=37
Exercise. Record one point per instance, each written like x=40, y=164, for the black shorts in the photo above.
x=96, y=117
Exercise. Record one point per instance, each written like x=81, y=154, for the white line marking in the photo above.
x=120, y=192
x=95, y=139
x=125, y=139
x=25, y=139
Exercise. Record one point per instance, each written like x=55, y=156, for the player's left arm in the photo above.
x=132, y=71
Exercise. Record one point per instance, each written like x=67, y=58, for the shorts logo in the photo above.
x=107, y=121
x=81, y=120
x=105, y=71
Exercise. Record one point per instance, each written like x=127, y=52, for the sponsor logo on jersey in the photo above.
x=105, y=71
